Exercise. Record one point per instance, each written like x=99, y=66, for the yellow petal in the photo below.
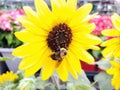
x=28, y=49
x=62, y=71
x=90, y=17
x=74, y=60
x=87, y=28
x=32, y=16
x=27, y=36
x=36, y=25
x=42, y=8
x=28, y=61
x=111, y=42
x=92, y=47
x=116, y=15
x=86, y=57
x=108, y=51
x=72, y=4
x=115, y=83
x=31, y=60
x=84, y=11
x=24, y=22
x=48, y=68
x=116, y=21
x=71, y=69
x=62, y=3
x=85, y=45
x=85, y=39
x=110, y=71
x=58, y=9
x=83, y=54
x=45, y=15
x=81, y=14
x=30, y=13
x=55, y=5
x=34, y=68
x=116, y=53
x=115, y=64
x=111, y=32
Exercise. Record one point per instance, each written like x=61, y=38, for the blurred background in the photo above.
x=103, y=6
x=13, y=9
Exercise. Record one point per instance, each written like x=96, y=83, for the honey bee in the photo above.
x=59, y=55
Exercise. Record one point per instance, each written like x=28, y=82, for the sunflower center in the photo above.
x=59, y=38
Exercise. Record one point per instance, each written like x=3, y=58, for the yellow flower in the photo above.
x=22, y=88
x=56, y=39
x=112, y=45
x=8, y=76
x=115, y=71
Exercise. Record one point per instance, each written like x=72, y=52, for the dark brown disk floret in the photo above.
x=59, y=37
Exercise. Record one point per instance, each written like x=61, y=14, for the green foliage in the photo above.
x=35, y=83
x=54, y=83
x=104, y=64
x=71, y=86
x=104, y=81
x=81, y=84
x=96, y=53
x=7, y=85
x=8, y=39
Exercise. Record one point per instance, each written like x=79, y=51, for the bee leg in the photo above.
x=53, y=57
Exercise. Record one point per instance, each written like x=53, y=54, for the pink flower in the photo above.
x=5, y=22
x=101, y=22
x=16, y=13
x=6, y=25
x=9, y=17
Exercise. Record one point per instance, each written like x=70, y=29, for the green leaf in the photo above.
x=1, y=43
x=28, y=83
x=9, y=38
x=7, y=85
x=50, y=87
x=104, y=64
x=104, y=81
x=82, y=78
x=71, y=86
x=103, y=38
x=82, y=87
x=96, y=53
x=40, y=84
x=16, y=42
x=82, y=82
x=2, y=35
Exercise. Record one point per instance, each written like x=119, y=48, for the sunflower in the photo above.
x=55, y=39
x=115, y=71
x=8, y=76
x=113, y=45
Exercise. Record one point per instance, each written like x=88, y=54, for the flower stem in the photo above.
x=56, y=82
x=93, y=83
